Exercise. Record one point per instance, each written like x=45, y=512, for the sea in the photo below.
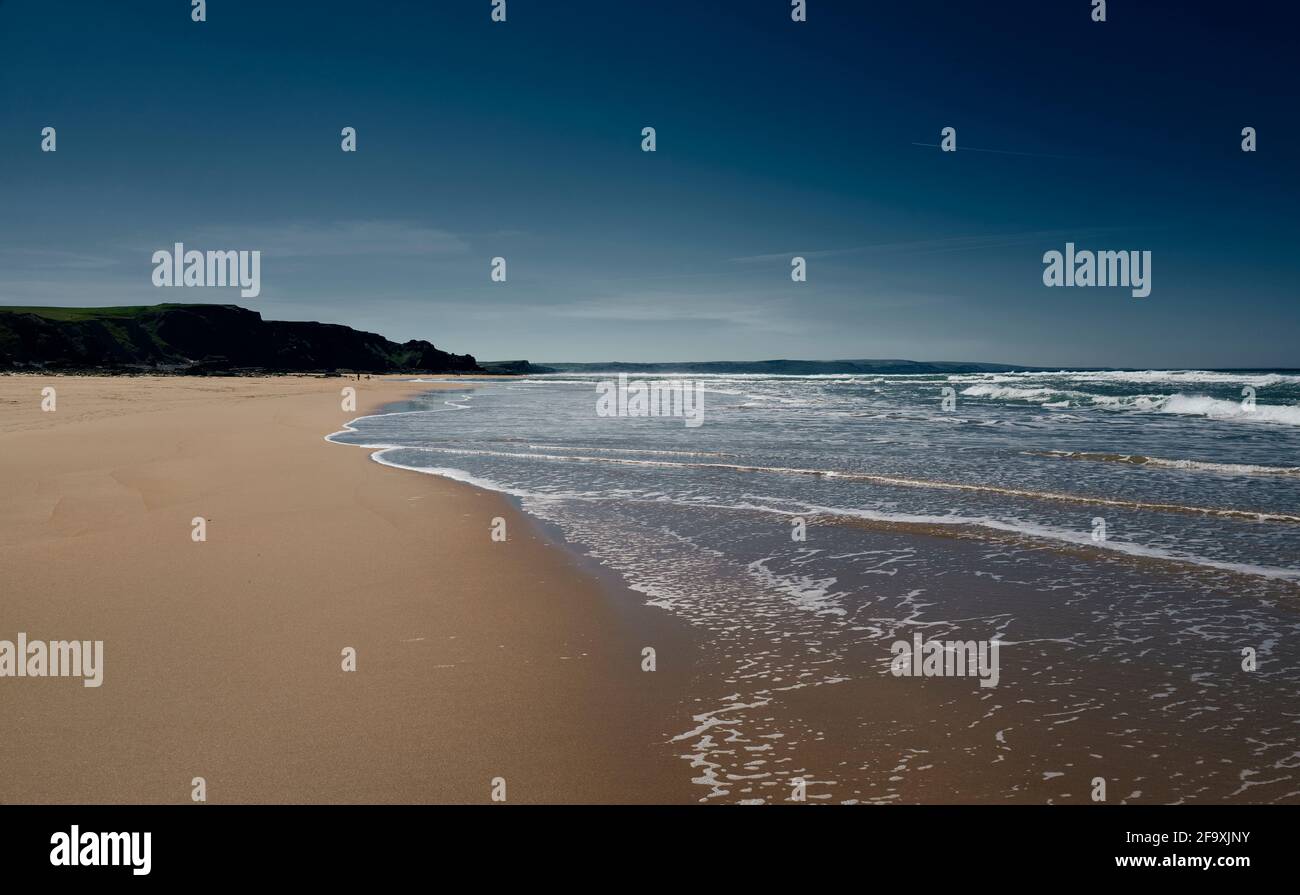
x=1131, y=539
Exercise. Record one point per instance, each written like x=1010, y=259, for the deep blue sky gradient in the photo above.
x=775, y=139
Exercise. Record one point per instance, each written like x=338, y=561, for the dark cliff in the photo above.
x=203, y=339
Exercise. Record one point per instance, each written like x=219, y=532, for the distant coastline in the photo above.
x=863, y=366
x=228, y=340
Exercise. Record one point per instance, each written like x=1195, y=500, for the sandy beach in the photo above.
x=522, y=660
x=223, y=658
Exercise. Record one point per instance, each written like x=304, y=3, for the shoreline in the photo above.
x=222, y=658
x=1100, y=645
x=479, y=660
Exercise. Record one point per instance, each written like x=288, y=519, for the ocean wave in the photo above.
x=613, y=450
x=461, y=475
x=1179, y=403
x=1174, y=377
x=1219, y=409
x=815, y=594
x=899, y=481
x=1068, y=536
x=1019, y=393
x=1163, y=463
x=1061, y=397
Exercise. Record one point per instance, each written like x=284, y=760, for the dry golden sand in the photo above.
x=222, y=659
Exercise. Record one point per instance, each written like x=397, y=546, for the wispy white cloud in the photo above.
x=69, y=291
x=747, y=311
x=19, y=258
x=332, y=239
x=933, y=246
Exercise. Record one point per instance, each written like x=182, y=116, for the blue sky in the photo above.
x=774, y=139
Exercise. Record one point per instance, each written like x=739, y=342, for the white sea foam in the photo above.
x=1164, y=463
x=1175, y=377
x=542, y=471
x=1003, y=392
x=1178, y=403
x=812, y=593
x=1219, y=409
x=613, y=450
x=461, y=475
x=805, y=591
x=901, y=481
x=1064, y=535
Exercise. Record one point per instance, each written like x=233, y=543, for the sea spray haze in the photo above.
x=1121, y=536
